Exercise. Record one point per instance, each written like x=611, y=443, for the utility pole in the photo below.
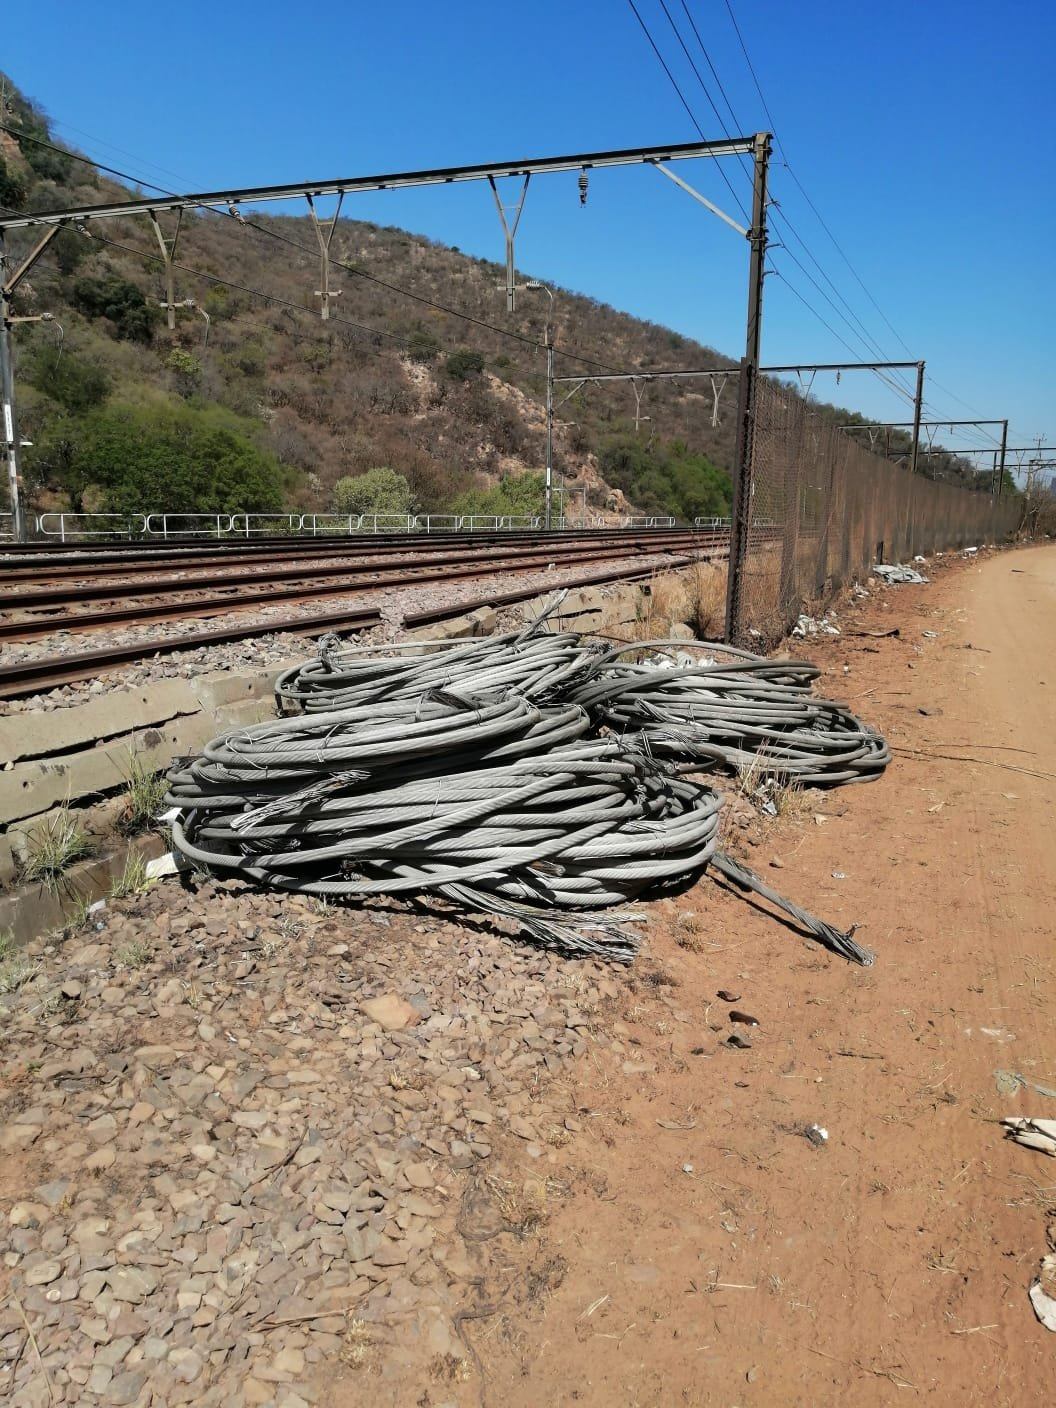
x=7, y=393
x=8, y=283
x=1004, y=449
x=918, y=403
x=548, y=340
x=742, y=481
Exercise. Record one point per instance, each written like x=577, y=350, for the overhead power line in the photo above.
x=824, y=223
x=778, y=215
x=872, y=348
x=789, y=168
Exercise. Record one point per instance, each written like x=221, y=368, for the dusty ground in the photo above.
x=711, y=1254
x=223, y=1182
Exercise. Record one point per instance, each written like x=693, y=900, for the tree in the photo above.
x=517, y=494
x=379, y=490
x=75, y=384
x=464, y=365
x=159, y=457
x=119, y=301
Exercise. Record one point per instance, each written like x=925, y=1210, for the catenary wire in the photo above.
x=311, y=253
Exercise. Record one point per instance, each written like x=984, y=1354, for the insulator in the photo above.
x=583, y=182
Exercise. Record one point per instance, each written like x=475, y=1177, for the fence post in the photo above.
x=788, y=600
x=741, y=508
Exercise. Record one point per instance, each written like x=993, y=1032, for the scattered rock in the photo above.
x=391, y=1012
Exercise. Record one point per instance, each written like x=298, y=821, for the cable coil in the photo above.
x=530, y=775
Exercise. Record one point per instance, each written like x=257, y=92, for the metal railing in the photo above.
x=248, y=525
x=712, y=523
x=71, y=526
x=7, y=526
x=65, y=526
x=160, y=525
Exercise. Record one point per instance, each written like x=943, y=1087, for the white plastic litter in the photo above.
x=162, y=866
x=1040, y=1298
x=812, y=626
x=1032, y=1133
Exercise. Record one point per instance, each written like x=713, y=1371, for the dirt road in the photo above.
x=699, y=1248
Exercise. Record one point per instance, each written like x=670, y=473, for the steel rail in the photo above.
x=66, y=562
x=47, y=672
x=148, y=613
x=99, y=590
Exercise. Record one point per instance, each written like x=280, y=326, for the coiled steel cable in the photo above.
x=540, y=667
x=401, y=780
x=745, y=712
x=492, y=806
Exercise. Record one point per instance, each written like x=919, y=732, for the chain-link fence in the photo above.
x=822, y=509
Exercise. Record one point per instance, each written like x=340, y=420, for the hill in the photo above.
x=263, y=405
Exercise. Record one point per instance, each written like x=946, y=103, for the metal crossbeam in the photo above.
x=398, y=180
x=908, y=424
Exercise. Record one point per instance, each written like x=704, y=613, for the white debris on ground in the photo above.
x=816, y=626
x=895, y=572
x=1040, y=1135
x=249, y=1139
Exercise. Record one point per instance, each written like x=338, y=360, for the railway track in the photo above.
x=623, y=554
x=43, y=562
x=382, y=565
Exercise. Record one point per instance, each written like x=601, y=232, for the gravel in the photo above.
x=246, y=1139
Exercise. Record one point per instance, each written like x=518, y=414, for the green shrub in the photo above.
x=669, y=479
x=119, y=301
x=422, y=346
x=12, y=186
x=464, y=365
x=186, y=370
x=77, y=385
x=165, y=456
x=377, y=491
x=514, y=494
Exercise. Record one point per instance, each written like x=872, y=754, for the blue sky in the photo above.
x=922, y=132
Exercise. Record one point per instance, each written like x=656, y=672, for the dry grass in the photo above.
x=693, y=597
x=358, y=1342
x=143, y=797
x=134, y=954
x=16, y=971
x=523, y=1207
x=133, y=879
x=687, y=929
x=53, y=847
x=669, y=597
x=706, y=600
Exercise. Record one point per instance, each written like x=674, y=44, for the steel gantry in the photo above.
x=228, y=201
